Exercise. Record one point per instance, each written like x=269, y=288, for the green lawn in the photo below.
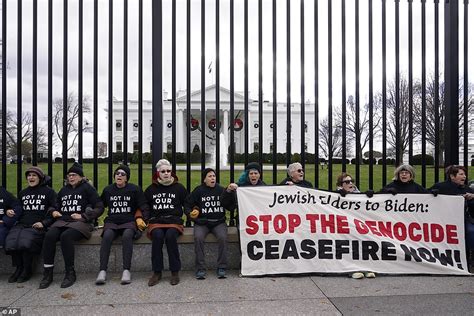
x=225, y=175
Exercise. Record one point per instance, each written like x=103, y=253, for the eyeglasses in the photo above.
x=348, y=181
x=165, y=171
x=120, y=173
x=300, y=170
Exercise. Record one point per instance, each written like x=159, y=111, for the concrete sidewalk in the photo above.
x=328, y=295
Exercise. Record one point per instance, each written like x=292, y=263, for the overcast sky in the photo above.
x=224, y=48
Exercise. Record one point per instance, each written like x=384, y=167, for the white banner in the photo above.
x=289, y=229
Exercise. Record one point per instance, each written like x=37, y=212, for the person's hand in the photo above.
x=56, y=214
x=435, y=192
x=76, y=216
x=393, y=191
x=469, y=196
x=369, y=193
x=342, y=193
x=10, y=213
x=194, y=213
x=38, y=225
x=140, y=224
x=232, y=187
x=289, y=183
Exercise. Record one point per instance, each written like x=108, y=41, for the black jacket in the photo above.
x=302, y=183
x=398, y=186
x=450, y=188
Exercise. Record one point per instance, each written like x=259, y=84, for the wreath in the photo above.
x=238, y=124
x=212, y=124
x=194, y=124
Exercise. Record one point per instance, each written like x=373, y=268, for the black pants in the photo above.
x=127, y=246
x=170, y=237
x=22, y=258
x=67, y=237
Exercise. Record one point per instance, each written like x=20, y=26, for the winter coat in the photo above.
x=7, y=202
x=303, y=183
x=398, y=186
x=37, y=204
x=450, y=188
x=82, y=199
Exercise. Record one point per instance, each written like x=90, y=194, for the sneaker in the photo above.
x=221, y=273
x=101, y=277
x=357, y=275
x=126, y=277
x=370, y=275
x=200, y=274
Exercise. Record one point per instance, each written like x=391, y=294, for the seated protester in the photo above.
x=403, y=182
x=456, y=185
x=10, y=211
x=345, y=185
x=77, y=206
x=125, y=202
x=296, y=176
x=165, y=197
x=250, y=177
x=204, y=207
x=25, y=239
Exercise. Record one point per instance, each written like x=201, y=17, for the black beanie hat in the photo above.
x=253, y=165
x=76, y=168
x=124, y=168
x=205, y=172
x=36, y=170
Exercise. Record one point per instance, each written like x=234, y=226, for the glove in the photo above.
x=140, y=224
x=434, y=192
x=342, y=193
x=369, y=193
x=194, y=213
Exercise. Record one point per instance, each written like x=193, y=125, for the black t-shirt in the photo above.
x=122, y=203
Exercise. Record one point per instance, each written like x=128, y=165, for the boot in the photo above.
x=25, y=275
x=155, y=278
x=174, y=278
x=69, y=277
x=47, y=278
x=14, y=277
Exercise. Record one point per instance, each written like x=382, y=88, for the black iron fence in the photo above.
x=408, y=114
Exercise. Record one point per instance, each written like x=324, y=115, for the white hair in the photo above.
x=162, y=162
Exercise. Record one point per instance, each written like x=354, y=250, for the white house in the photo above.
x=225, y=120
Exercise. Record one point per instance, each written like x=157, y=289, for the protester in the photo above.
x=25, y=239
x=77, y=206
x=295, y=173
x=345, y=185
x=250, y=177
x=166, y=197
x=125, y=202
x=455, y=184
x=10, y=211
x=403, y=182
x=204, y=207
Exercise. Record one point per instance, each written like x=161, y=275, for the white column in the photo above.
x=180, y=131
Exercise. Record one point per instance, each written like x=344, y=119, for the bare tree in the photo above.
x=364, y=120
x=404, y=116
x=432, y=113
x=72, y=118
x=336, y=139
x=26, y=140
